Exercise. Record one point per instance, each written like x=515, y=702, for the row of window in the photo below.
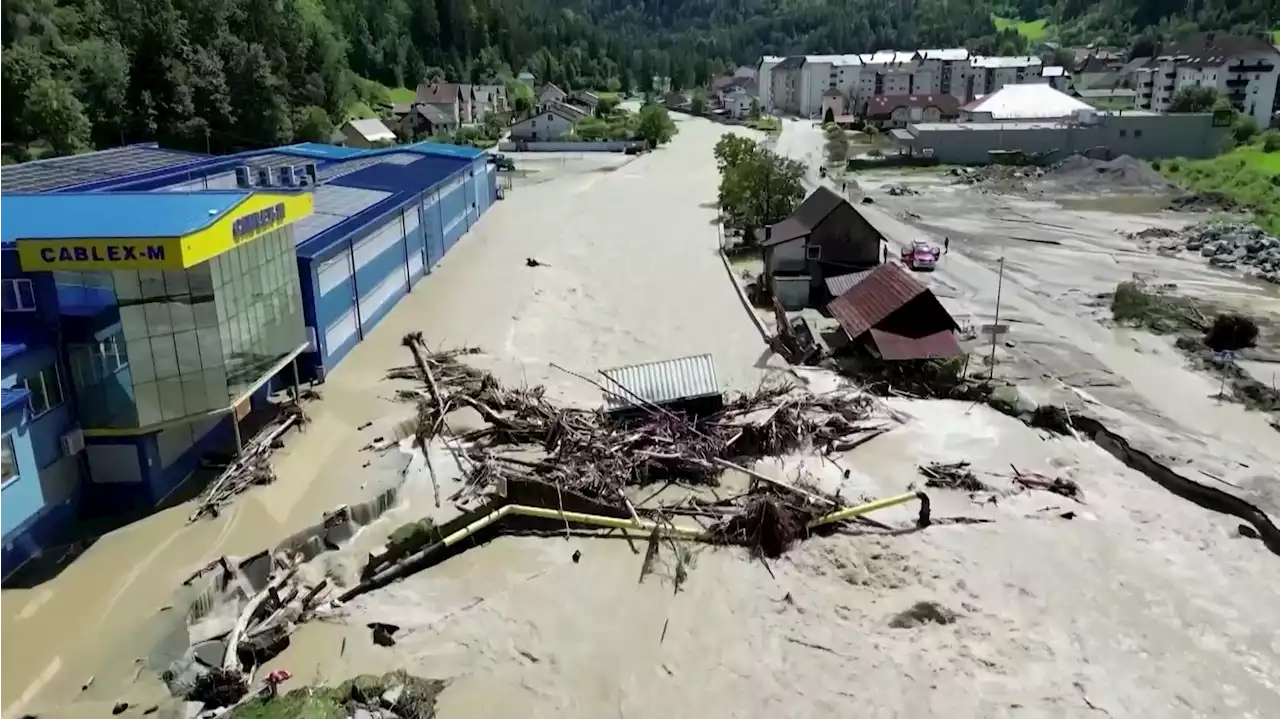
x=18, y=295
x=45, y=387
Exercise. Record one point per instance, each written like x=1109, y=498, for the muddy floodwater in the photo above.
x=1130, y=602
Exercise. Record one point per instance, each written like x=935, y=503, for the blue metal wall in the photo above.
x=352, y=285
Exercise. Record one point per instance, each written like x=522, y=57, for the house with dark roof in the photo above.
x=824, y=236
x=551, y=123
x=886, y=111
x=550, y=92
x=890, y=313
x=422, y=121
x=450, y=98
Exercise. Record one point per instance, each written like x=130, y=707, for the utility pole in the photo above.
x=995, y=326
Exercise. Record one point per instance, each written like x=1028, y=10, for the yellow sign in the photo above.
x=255, y=216
x=151, y=254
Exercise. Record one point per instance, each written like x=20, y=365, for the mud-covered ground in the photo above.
x=1131, y=603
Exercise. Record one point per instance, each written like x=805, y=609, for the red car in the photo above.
x=921, y=256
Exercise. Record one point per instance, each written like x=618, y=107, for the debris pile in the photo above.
x=1203, y=202
x=1075, y=174
x=954, y=475
x=251, y=466
x=397, y=695
x=900, y=190
x=1230, y=244
x=597, y=454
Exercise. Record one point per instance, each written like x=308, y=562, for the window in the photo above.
x=46, y=390
x=19, y=296
x=10, y=469
x=1123, y=133
x=1137, y=133
x=91, y=363
x=813, y=252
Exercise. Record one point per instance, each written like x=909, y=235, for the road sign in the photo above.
x=996, y=329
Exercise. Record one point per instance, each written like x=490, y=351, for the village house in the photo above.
x=584, y=99
x=825, y=236
x=448, y=98
x=364, y=134
x=418, y=121
x=551, y=93
x=551, y=123
x=489, y=99
x=888, y=111
x=892, y=314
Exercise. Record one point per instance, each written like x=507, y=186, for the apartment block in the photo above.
x=802, y=84
x=1243, y=69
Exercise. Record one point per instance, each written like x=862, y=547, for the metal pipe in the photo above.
x=861, y=509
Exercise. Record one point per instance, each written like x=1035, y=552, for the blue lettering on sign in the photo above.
x=259, y=221
x=102, y=253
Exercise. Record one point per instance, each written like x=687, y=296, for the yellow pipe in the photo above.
x=861, y=509
x=593, y=520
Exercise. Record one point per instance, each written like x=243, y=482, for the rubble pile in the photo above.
x=1075, y=174
x=899, y=190
x=1230, y=244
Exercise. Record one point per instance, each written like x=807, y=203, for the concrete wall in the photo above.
x=787, y=257
x=1141, y=136
x=792, y=291
x=612, y=146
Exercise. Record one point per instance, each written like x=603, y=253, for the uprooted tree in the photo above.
x=837, y=145
x=758, y=187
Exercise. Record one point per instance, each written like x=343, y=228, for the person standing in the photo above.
x=946, y=245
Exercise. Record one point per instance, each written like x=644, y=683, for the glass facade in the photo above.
x=191, y=341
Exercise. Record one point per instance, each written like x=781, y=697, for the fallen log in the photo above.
x=231, y=659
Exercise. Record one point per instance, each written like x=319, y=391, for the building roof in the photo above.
x=806, y=217
x=840, y=284
x=434, y=115
x=660, y=382
x=884, y=105
x=832, y=92
x=58, y=172
x=1053, y=71
x=550, y=87
x=993, y=63
x=116, y=214
x=13, y=398
x=791, y=63
x=896, y=347
x=1029, y=101
x=558, y=109
x=437, y=93
x=371, y=129
x=572, y=112
x=1216, y=48
x=885, y=289
x=953, y=53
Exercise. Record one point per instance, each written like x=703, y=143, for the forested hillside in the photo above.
x=234, y=74
x=1120, y=22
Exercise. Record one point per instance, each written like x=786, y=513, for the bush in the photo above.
x=1244, y=129
x=1231, y=332
x=1271, y=141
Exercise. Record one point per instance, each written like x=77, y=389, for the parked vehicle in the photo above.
x=502, y=162
x=921, y=256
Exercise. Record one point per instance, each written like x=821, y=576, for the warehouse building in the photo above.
x=153, y=300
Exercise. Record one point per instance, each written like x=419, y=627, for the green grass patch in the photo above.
x=771, y=125
x=401, y=94
x=417, y=700
x=1033, y=31
x=1247, y=174
x=359, y=110
x=1275, y=37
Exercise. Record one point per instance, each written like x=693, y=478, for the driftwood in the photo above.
x=231, y=660
x=250, y=467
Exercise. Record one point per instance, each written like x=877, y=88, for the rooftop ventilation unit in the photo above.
x=310, y=171
x=288, y=176
x=243, y=179
x=265, y=177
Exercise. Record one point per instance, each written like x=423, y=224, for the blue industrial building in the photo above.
x=154, y=298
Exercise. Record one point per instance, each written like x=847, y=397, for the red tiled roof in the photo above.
x=883, y=290
x=897, y=347
x=884, y=105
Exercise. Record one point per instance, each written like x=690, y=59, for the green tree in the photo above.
x=606, y=105
x=760, y=189
x=24, y=66
x=837, y=145
x=698, y=102
x=654, y=125
x=520, y=96
x=313, y=125
x=613, y=84
x=732, y=149
x=754, y=112
x=55, y=115
x=1194, y=99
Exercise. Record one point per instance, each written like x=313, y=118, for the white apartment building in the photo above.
x=797, y=84
x=1243, y=69
x=989, y=74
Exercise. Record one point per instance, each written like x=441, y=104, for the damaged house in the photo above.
x=826, y=236
x=891, y=313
